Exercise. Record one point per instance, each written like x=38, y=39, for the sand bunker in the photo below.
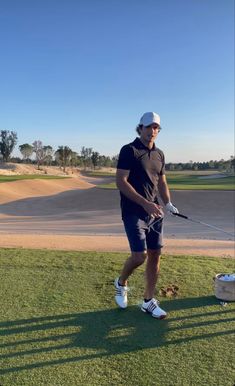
x=16, y=190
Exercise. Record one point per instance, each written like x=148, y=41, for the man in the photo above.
x=140, y=176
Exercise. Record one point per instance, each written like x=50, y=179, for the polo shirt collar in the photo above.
x=138, y=141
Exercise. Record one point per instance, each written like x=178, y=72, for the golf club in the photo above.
x=202, y=223
x=153, y=223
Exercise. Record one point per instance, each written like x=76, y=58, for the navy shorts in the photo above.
x=140, y=235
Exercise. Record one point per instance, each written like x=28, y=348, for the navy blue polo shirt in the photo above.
x=145, y=167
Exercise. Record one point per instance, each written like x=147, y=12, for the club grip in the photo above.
x=180, y=215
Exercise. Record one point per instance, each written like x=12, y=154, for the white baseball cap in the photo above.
x=149, y=118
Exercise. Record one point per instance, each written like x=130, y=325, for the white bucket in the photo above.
x=225, y=286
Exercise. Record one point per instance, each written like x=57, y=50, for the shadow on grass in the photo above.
x=107, y=332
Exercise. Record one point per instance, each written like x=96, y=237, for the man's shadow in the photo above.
x=108, y=332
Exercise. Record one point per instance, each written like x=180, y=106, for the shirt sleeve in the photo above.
x=126, y=158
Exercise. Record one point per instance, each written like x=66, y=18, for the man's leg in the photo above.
x=152, y=272
x=135, y=260
x=151, y=305
x=135, y=230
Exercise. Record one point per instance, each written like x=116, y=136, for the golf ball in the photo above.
x=223, y=304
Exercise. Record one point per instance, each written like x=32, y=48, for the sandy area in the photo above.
x=73, y=214
x=106, y=243
x=17, y=190
x=11, y=169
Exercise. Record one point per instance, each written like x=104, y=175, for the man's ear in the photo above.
x=139, y=129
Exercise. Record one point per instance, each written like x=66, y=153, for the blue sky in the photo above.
x=82, y=72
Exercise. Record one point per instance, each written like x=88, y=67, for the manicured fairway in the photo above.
x=191, y=182
x=60, y=326
x=4, y=178
x=176, y=181
x=196, y=182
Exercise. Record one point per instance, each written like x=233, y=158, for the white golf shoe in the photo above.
x=121, y=294
x=152, y=307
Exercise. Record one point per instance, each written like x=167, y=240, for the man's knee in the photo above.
x=139, y=257
x=154, y=256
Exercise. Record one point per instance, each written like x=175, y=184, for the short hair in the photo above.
x=139, y=128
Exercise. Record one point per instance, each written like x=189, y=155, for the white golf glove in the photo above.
x=171, y=208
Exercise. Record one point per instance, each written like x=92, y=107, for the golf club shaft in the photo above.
x=203, y=223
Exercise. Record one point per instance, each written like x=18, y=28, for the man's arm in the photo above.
x=127, y=189
x=163, y=189
x=165, y=194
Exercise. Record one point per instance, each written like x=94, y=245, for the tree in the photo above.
x=39, y=152
x=63, y=155
x=74, y=159
x=95, y=158
x=108, y=163
x=48, y=153
x=86, y=153
x=115, y=160
x=7, y=143
x=26, y=151
x=232, y=161
x=211, y=164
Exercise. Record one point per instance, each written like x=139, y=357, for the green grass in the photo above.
x=176, y=181
x=4, y=178
x=60, y=326
x=97, y=173
x=194, y=182
x=191, y=182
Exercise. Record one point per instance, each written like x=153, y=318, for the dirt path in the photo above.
x=105, y=243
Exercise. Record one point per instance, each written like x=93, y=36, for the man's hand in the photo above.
x=171, y=208
x=153, y=209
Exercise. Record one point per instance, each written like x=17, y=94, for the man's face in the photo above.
x=149, y=133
